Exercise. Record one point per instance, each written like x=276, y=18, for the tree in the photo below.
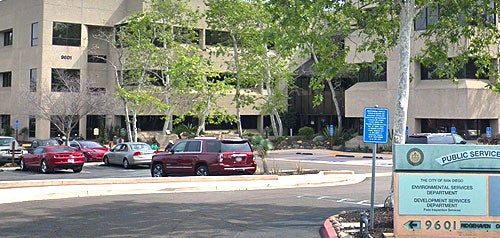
x=262, y=146
x=317, y=30
x=71, y=99
x=256, y=66
x=463, y=28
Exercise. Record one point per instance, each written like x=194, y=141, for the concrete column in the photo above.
x=494, y=127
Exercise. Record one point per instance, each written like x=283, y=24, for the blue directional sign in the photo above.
x=16, y=125
x=488, y=132
x=376, y=123
x=453, y=130
x=331, y=130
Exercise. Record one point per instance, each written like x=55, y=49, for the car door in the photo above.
x=38, y=154
x=190, y=156
x=173, y=164
x=116, y=156
x=31, y=157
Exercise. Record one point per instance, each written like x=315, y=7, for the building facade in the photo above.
x=435, y=104
x=40, y=36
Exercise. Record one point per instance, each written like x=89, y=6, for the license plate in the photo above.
x=71, y=160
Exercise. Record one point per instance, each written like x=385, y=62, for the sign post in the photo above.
x=375, y=130
x=16, y=126
x=331, y=136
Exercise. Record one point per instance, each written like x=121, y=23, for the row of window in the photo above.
x=5, y=124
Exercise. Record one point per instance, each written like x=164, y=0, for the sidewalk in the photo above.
x=30, y=190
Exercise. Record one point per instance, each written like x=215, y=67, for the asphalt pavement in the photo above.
x=30, y=190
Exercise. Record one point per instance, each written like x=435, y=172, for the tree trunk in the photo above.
x=276, y=123
x=401, y=108
x=237, y=93
x=336, y=104
x=332, y=89
x=265, y=168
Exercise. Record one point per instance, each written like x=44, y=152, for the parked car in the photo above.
x=205, y=156
x=129, y=154
x=51, y=157
x=435, y=138
x=6, y=150
x=37, y=143
x=93, y=151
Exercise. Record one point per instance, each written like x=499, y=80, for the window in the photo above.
x=193, y=146
x=65, y=80
x=469, y=71
x=426, y=17
x=66, y=34
x=32, y=126
x=217, y=37
x=96, y=58
x=185, y=35
x=6, y=79
x=34, y=34
x=4, y=121
x=7, y=37
x=370, y=72
x=33, y=76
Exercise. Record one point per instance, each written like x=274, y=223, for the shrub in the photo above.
x=307, y=133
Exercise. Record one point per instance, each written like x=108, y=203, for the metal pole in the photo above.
x=372, y=201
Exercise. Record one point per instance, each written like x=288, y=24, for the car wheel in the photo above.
x=22, y=165
x=106, y=160
x=158, y=171
x=126, y=165
x=45, y=167
x=202, y=170
x=78, y=169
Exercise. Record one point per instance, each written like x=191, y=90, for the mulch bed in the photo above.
x=383, y=221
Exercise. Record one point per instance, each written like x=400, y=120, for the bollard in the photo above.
x=13, y=147
x=364, y=224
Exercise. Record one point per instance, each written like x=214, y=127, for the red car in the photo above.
x=93, y=151
x=205, y=156
x=49, y=158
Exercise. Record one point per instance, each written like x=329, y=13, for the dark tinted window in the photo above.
x=63, y=149
x=66, y=34
x=180, y=147
x=193, y=146
x=442, y=139
x=213, y=146
x=416, y=140
x=233, y=146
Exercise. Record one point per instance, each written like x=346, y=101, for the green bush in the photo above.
x=187, y=130
x=340, y=136
x=306, y=133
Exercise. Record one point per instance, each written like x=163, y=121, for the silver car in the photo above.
x=6, y=150
x=129, y=154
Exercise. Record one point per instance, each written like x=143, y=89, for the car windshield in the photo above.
x=90, y=144
x=6, y=141
x=62, y=149
x=47, y=142
x=233, y=146
x=140, y=147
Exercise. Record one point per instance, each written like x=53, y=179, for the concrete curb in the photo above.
x=327, y=230
x=19, y=191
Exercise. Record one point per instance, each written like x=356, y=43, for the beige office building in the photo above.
x=435, y=105
x=30, y=50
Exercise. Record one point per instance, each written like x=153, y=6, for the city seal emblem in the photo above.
x=415, y=156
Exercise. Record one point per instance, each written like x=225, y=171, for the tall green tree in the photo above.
x=317, y=29
x=466, y=28
x=256, y=65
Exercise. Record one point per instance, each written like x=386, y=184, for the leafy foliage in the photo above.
x=306, y=132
